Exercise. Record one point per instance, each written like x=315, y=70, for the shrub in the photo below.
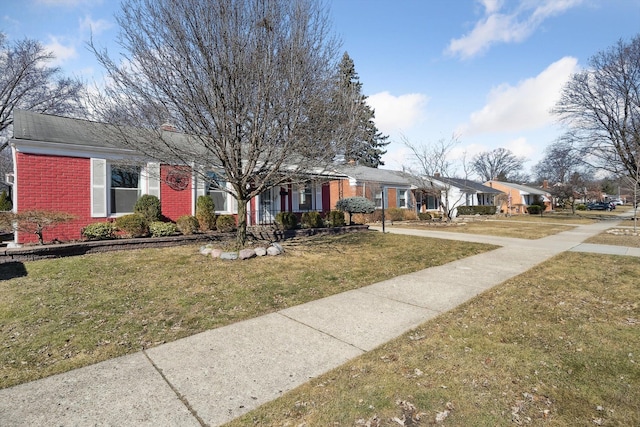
x=394, y=214
x=312, y=220
x=226, y=223
x=424, y=216
x=353, y=205
x=476, y=210
x=534, y=209
x=5, y=201
x=336, y=219
x=132, y=225
x=99, y=231
x=206, y=213
x=187, y=224
x=159, y=229
x=581, y=207
x=148, y=207
x=287, y=220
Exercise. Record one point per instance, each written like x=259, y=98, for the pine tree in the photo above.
x=366, y=144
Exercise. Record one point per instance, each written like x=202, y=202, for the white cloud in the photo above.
x=521, y=148
x=506, y=27
x=95, y=27
x=523, y=107
x=60, y=52
x=395, y=113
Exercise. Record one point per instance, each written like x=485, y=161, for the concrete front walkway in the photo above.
x=216, y=376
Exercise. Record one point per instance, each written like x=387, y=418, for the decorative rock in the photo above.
x=205, y=250
x=215, y=253
x=260, y=251
x=246, y=253
x=229, y=255
x=278, y=246
x=273, y=251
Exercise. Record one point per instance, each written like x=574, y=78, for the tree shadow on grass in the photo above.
x=11, y=270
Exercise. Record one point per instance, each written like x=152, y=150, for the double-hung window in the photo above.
x=305, y=197
x=124, y=188
x=218, y=195
x=402, y=198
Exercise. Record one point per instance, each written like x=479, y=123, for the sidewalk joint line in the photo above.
x=180, y=397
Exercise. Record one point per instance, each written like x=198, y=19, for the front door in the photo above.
x=266, y=210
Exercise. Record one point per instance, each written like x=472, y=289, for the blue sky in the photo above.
x=487, y=71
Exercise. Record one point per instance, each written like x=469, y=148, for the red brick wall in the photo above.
x=55, y=183
x=175, y=203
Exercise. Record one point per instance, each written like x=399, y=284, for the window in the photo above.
x=124, y=188
x=305, y=197
x=378, y=199
x=402, y=198
x=432, y=202
x=220, y=197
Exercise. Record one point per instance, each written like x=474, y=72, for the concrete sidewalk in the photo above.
x=216, y=376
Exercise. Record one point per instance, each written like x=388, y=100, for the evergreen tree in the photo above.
x=366, y=144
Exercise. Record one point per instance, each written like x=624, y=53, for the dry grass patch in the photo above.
x=608, y=238
x=558, y=345
x=502, y=228
x=65, y=313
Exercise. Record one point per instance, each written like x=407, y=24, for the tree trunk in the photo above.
x=241, y=236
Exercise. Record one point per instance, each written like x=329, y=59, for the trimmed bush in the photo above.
x=148, y=207
x=476, y=210
x=206, y=213
x=160, y=229
x=287, y=220
x=312, y=220
x=5, y=201
x=99, y=231
x=336, y=219
x=534, y=209
x=424, y=216
x=187, y=224
x=581, y=207
x=353, y=205
x=133, y=225
x=226, y=223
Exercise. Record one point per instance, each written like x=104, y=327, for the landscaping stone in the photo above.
x=246, y=253
x=260, y=251
x=278, y=246
x=205, y=250
x=273, y=251
x=229, y=255
x=215, y=253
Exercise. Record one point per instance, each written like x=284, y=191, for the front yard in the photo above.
x=65, y=313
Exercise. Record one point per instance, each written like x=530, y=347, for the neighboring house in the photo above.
x=518, y=197
x=377, y=185
x=457, y=192
x=67, y=165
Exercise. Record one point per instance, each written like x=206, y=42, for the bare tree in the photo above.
x=433, y=164
x=601, y=106
x=497, y=164
x=248, y=82
x=26, y=82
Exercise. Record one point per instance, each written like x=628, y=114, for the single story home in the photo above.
x=456, y=192
x=518, y=197
x=66, y=165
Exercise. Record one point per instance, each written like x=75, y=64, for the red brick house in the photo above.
x=67, y=165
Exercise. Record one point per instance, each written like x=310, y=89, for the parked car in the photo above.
x=600, y=206
x=617, y=202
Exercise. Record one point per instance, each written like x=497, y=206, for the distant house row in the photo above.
x=60, y=165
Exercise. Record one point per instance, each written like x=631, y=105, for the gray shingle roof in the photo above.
x=28, y=125
x=524, y=188
x=364, y=173
x=468, y=185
